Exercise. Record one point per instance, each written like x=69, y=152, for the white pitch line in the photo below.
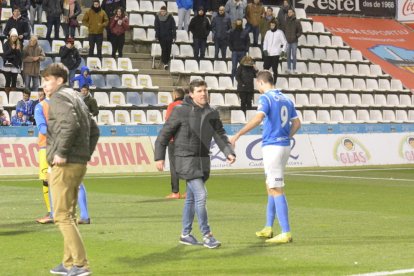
x=382, y=273
x=353, y=177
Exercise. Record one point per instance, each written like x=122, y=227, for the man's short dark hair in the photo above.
x=179, y=92
x=85, y=86
x=270, y=8
x=197, y=83
x=26, y=91
x=265, y=76
x=57, y=70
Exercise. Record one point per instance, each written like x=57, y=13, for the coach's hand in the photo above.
x=58, y=161
x=231, y=159
x=160, y=165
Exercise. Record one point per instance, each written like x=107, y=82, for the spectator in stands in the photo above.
x=200, y=27
x=178, y=94
x=33, y=54
x=274, y=45
x=22, y=5
x=3, y=119
x=239, y=43
x=254, y=13
x=282, y=16
x=245, y=75
x=89, y=100
x=71, y=10
x=292, y=32
x=36, y=10
x=236, y=9
x=165, y=33
x=119, y=24
x=110, y=7
x=197, y=4
x=19, y=119
x=17, y=22
x=193, y=126
x=53, y=11
x=215, y=5
x=96, y=20
x=84, y=78
x=70, y=57
x=221, y=27
x=26, y=105
x=12, y=58
x=184, y=12
x=264, y=25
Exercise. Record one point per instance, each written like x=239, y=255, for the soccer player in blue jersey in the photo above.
x=280, y=123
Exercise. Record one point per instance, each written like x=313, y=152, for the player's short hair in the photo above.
x=411, y=139
x=197, y=83
x=85, y=86
x=265, y=76
x=179, y=92
x=26, y=91
x=57, y=70
x=270, y=8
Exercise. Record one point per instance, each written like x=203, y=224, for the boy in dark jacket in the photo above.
x=293, y=31
x=70, y=57
x=246, y=72
x=89, y=100
x=239, y=43
x=200, y=27
x=221, y=27
x=16, y=21
x=165, y=33
x=193, y=124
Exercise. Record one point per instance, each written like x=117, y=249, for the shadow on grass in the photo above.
x=15, y=232
x=23, y=227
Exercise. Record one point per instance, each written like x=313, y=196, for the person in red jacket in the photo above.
x=119, y=24
x=178, y=94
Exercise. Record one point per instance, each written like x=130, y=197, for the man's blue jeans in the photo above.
x=195, y=203
x=291, y=55
x=236, y=56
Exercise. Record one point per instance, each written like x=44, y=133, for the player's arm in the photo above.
x=254, y=122
x=40, y=119
x=222, y=140
x=296, y=124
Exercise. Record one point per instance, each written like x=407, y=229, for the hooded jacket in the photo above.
x=53, y=8
x=245, y=75
x=293, y=29
x=31, y=67
x=11, y=56
x=109, y=6
x=95, y=21
x=199, y=26
x=184, y=4
x=274, y=42
x=70, y=57
x=193, y=128
x=165, y=28
x=71, y=132
x=221, y=26
x=20, y=24
x=81, y=78
x=239, y=40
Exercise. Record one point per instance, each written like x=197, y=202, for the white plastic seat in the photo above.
x=309, y=116
x=393, y=100
x=149, y=98
x=164, y=98
x=375, y=70
x=177, y=66
x=352, y=69
x=220, y=66
x=105, y=117
x=328, y=99
x=172, y=7
x=237, y=117
x=206, y=66
x=122, y=117
x=212, y=82
x=39, y=30
x=195, y=77
x=147, y=6
x=191, y=66
x=405, y=100
x=325, y=40
x=106, y=48
x=295, y=83
x=225, y=83
x=132, y=5
x=356, y=55
x=101, y=98
x=158, y=5
x=315, y=99
x=344, y=55
x=337, y=41
x=401, y=115
x=347, y=84
x=129, y=80
x=148, y=20
x=302, y=100
x=321, y=84
x=154, y=117
x=359, y=84
x=312, y=40
x=255, y=52
x=384, y=84
x=389, y=116
x=363, y=115
x=339, y=69
x=93, y=63
x=367, y=100
x=3, y=99
x=145, y=81
x=332, y=54
x=306, y=53
x=380, y=100
x=364, y=70
x=337, y=116
x=308, y=84
x=135, y=19
x=375, y=116
x=133, y=98
x=186, y=50
x=396, y=85
x=319, y=54
x=182, y=36
x=291, y=97
x=372, y=84
x=125, y=64
x=301, y=68
x=326, y=68
x=314, y=68
x=300, y=13
x=139, y=33
x=355, y=99
x=306, y=26
x=318, y=27
x=117, y=98
x=282, y=83
x=109, y=64
x=323, y=116
x=56, y=44
x=138, y=117
x=113, y=81
x=334, y=84
x=350, y=116
x=6, y=13
x=256, y=97
x=231, y=99
x=216, y=99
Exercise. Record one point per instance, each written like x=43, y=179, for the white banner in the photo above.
x=405, y=10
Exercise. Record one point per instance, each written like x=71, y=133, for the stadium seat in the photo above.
x=45, y=45
x=306, y=26
x=109, y=64
x=39, y=30
x=129, y=80
x=315, y=99
x=337, y=116
x=145, y=81
x=308, y=84
x=151, y=35
x=186, y=51
x=367, y=100
x=226, y=83
x=216, y=99
x=302, y=40
x=396, y=85
x=101, y=98
x=206, y=66
x=401, y=115
x=350, y=116
x=323, y=116
x=337, y=41
x=132, y=5
x=14, y=97
x=133, y=98
x=6, y=13
x=372, y=84
x=220, y=66
x=93, y=63
x=363, y=116
x=300, y=13
x=325, y=41
x=352, y=70
x=212, y=82
x=231, y=99
x=393, y=100
x=295, y=83
x=149, y=98
x=312, y=40
x=3, y=99
x=56, y=44
x=332, y=54
x=139, y=34
x=177, y=66
x=98, y=81
x=172, y=7
x=291, y=97
x=105, y=117
x=301, y=68
x=309, y=116
x=306, y=53
x=344, y=55
x=302, y=100
x=255, y=52
x=375, y=116
x=282, y=83
x=158, y=5
x=339, y=69
x=191, y=66
x=164, y=98
x=2, y=80
x=318, y=27
x=146, y=6
x=195, y=77
x=117, y=98
x=328, y=99
x=405, y=100
x=359, y=84
x=154, y=117
x=182, y=36
x=356, y=55
x=106, y=48
x=122, y=117
x=321, y=84
x=83, y=32
x=125, y=64
x=384, y=84
x=138, y=117
x=237, y=117
x=326, y=69
x=355, y=99
x=375, y=70
x=364, y=70
x=389, y=116
x=380, y=100
x=45, y=63
x=135, y=19
x=334, y=84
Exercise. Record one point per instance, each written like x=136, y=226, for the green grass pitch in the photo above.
x=344, y=222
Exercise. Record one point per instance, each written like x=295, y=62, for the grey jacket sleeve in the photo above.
x=221, y=138
x=169, y=129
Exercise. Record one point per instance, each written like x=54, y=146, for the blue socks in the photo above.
x=282, y=212
x=270, y=211
x=83, y=204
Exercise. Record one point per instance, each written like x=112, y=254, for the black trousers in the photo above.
x=118, y=42
x=166, y=45
x=175, y=180
x=95, y=39
x=199, y=48
x=245, y=100
x=11, y=79
x=272, y=61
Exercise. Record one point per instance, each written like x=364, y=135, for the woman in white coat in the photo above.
x=273, y=46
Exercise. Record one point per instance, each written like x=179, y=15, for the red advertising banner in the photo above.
x=383, y=41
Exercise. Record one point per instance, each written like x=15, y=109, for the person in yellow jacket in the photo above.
x=96, y=20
